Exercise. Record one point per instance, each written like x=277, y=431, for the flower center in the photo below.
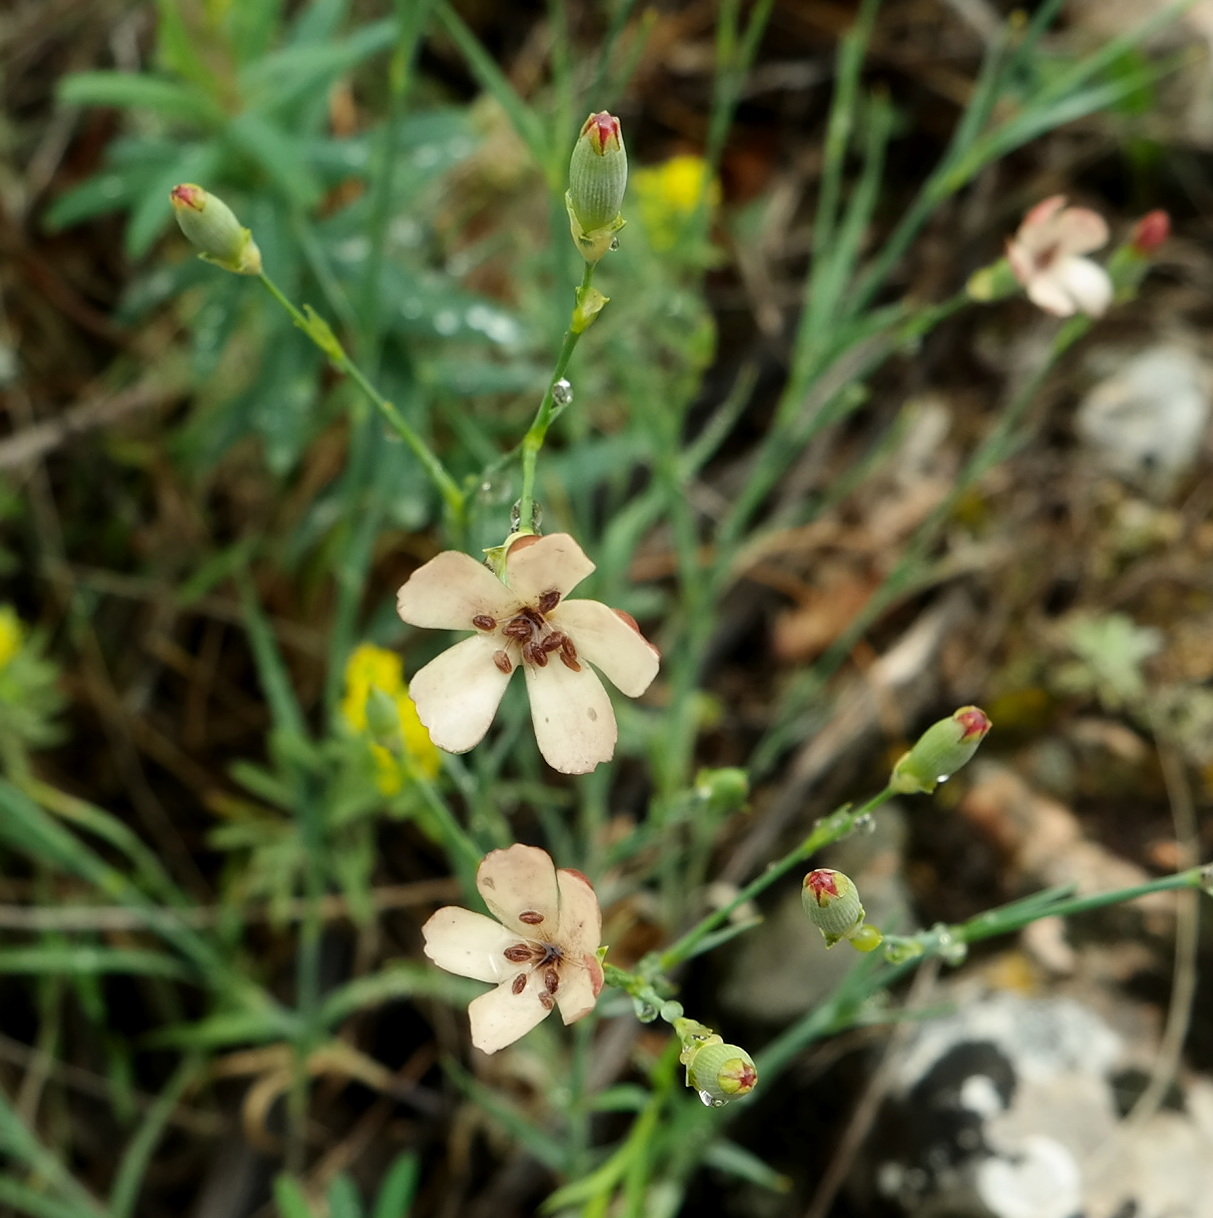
x=544, y=959
x=530, y=634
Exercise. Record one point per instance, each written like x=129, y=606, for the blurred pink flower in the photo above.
x=524, y=621
x=1045, y=256
x=541, y=951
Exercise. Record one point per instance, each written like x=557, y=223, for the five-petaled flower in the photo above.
x=524, y=621
x=1045, y=255
x=541, y=951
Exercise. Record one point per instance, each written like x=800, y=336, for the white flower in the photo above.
x=542, y=950
x=524, y=621
x=1045, y=257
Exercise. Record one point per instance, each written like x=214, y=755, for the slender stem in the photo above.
x=827, y=830
x=532, y=442
x=320, y=334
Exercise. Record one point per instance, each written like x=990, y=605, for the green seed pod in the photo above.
x=598, y=176
x=940, y=751
x=721, y=1072
x=211, y=227
x=865, y=938
x=832, y=902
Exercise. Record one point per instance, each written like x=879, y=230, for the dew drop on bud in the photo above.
x=866, y=823
x=943, y=777
x=562, y=392
x=710, y=1101
x=614, y=243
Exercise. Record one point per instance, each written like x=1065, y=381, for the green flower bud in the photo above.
x=941, y=750
x=725, y=789
x=598, y=176
x=383, y=717
x=721, y=1072
x=210, y=226
x=832, y=902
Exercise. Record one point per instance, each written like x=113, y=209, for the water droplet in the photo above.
x=943, y=777
x=562, y=392
x=709, y=1101
x=865, y=823
x=614, y=243
x=645, y=1011
x=951, y=950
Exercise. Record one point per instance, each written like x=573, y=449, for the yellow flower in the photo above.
x=370, y=668
x=668, y=195
x=11, y=634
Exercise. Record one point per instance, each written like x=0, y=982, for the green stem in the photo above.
x=320, y=334
x=827, y=830
x=532, y=442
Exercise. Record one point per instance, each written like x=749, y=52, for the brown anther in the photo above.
x=548, y=601
x=568, y=654
x=518, y=954
x=482, y=621
x=553, y=642
x=533, y=653
x=531, y=616
x=546, y=1000
x=519, y=983
x=517, y=628
x=551, y=979
x=503, y=661
x=532, y=917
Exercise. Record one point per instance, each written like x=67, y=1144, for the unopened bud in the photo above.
x=721, y=1072
x=211, y=228
x=598, y=176
x=724, y=790
x=1150, y=232
x=941, y=750
x=831, y=900
x=383, y=717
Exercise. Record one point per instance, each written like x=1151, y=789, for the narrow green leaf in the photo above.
x=129, y=90
x=399, y=1185
x=275, y=680
x=290, y=1198
x=343, y=1198
x=745, y=1165
x=75, y=959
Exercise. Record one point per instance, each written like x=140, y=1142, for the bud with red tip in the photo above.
x=598, y=177
x=719, y=1072
x=1150, y=232
x=831, y=900
x=940, y=751
x=211, y=227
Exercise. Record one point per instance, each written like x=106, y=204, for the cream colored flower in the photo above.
x=524, y=621
x=1045, y=256
x=541, y=951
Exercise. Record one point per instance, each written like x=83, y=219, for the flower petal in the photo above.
x=609, y=643
x=1087, y=283
x=457, y=693
x=522, y=880
x=553, y=563
x=1046, y=292
x=572, y=715
x=580, y=985
x=500, y=1017
x=580, y=915
x=450, y=590
x=1080, y=230
x=469, y=944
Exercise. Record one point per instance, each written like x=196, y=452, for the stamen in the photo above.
x=548, y=601
x=482, y=621
x=532, y=917
x=519, y=983
x=533, y=653
x=503, y=661
x=517, y=628
x=551, y=979
x=531, y=616
x=546, y=1000
x=518, y=954
x=568, y=654
x=553, y=642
